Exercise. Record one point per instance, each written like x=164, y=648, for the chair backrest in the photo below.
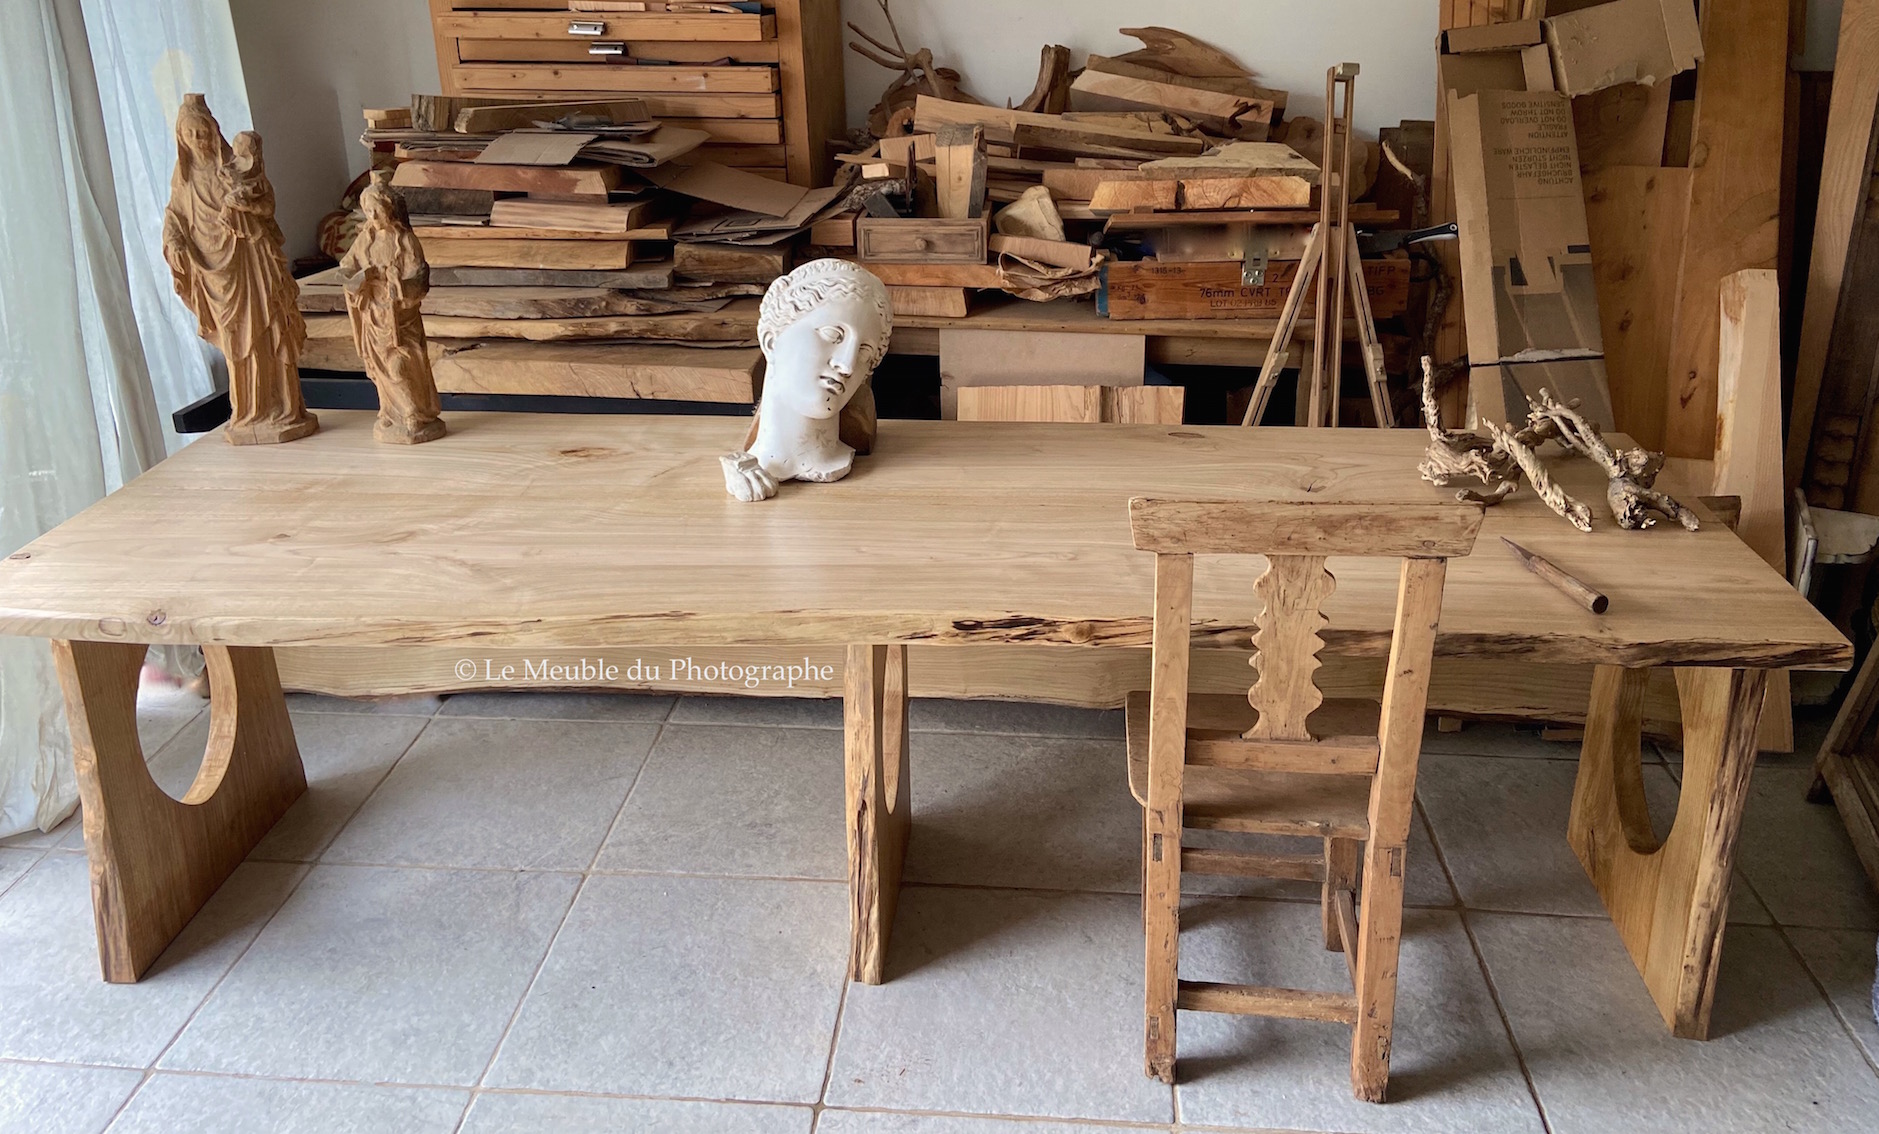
x=1296, y=538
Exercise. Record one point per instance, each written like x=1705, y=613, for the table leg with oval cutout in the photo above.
x=156, y=860
x=875, y=744
x=1669, y=898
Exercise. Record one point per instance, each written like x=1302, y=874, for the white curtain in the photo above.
x=148, y=54
x=78, y=415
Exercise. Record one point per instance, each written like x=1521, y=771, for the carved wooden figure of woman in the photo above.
x=386, y=279
x=227, y=261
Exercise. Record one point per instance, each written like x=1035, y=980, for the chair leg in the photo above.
x=1161, y=921
x=1340, y=873
x=1379, y=934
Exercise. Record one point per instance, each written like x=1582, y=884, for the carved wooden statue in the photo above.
x=227, y=260
x=823, y=329
x=386, y=279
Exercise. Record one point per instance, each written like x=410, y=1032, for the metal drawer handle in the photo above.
x=587, y=27
x=608, y=47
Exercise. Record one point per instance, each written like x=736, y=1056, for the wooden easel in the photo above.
x=1333, y=248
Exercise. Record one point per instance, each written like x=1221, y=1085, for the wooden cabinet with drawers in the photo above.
x=767, y=88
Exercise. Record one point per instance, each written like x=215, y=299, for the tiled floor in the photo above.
x=598, y=913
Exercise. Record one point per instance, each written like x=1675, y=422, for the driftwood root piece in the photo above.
x=1631, y=473
x=1051, y=95
x=1555, y=497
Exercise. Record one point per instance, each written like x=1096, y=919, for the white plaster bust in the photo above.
x=823, y=329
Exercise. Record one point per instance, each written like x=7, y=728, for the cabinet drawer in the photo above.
x=599, y=76
x=609, y=25
x=922, y=240
x=530, y=83
x=579, y=51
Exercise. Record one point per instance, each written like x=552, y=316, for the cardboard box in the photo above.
x=1625, y=41
x=1526, y=254
x=1493, y=37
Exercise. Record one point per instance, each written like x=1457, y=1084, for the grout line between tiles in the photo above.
x=542, y=963
x=1819, y=986
x=306, y=872
x=44, y=852
x=828, y=1067
x=1049, y=1120
x=1487, y=977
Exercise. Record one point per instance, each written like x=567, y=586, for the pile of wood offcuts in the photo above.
x=577, y=248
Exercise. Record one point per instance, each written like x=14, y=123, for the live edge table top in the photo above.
x=566, y=531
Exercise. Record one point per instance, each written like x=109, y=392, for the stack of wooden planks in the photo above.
x=549, y=225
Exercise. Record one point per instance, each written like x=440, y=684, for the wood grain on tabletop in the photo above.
x=551, y=530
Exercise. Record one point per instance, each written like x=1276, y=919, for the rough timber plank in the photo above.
x=1735, y=199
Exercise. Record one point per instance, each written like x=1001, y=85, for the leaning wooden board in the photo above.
x=602, y=532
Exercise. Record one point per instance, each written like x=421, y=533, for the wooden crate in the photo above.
x=772, y=81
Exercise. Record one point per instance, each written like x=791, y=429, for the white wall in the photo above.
x=312, y=66
x=994, y=44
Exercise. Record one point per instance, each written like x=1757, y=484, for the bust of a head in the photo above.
x=823, y=329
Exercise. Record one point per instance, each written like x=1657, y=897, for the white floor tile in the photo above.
x=887, y=1122
x=40, y=1098
x=1602, y=1059
x=372, y=974
x=1452, y=1067
x=15, y=862
x=763, y=712
x=763, y=802
x=1498, y=738
x=1842, y=960
x=1501, y=825
x=572, y=1114
x=686, y=987
x=414, y=705
x=1799, y=858
x=345, y=755
x=171, y=1103
x=559, y=706
x=1018, y=718
x=1003, y=1003
x=514, y=795
x=1029, y=811
x=54, y=1005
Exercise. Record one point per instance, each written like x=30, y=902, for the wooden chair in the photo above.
x=1283, y=760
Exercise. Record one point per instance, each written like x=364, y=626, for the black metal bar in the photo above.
x=343, y=390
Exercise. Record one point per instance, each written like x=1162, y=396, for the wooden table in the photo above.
x=542, y=532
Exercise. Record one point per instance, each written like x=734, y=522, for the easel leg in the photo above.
x=875, y=743
x=154, y=860
x=1669, y=901
x=1281, y=346
x=1367, y=332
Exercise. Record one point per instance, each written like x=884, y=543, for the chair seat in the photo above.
x=1259, y=802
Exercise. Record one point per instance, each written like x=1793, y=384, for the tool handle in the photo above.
x=1570, y=587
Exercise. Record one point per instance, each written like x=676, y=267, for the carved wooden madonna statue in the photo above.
x=386, y=279
x=227, y=260
x=823, y=329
